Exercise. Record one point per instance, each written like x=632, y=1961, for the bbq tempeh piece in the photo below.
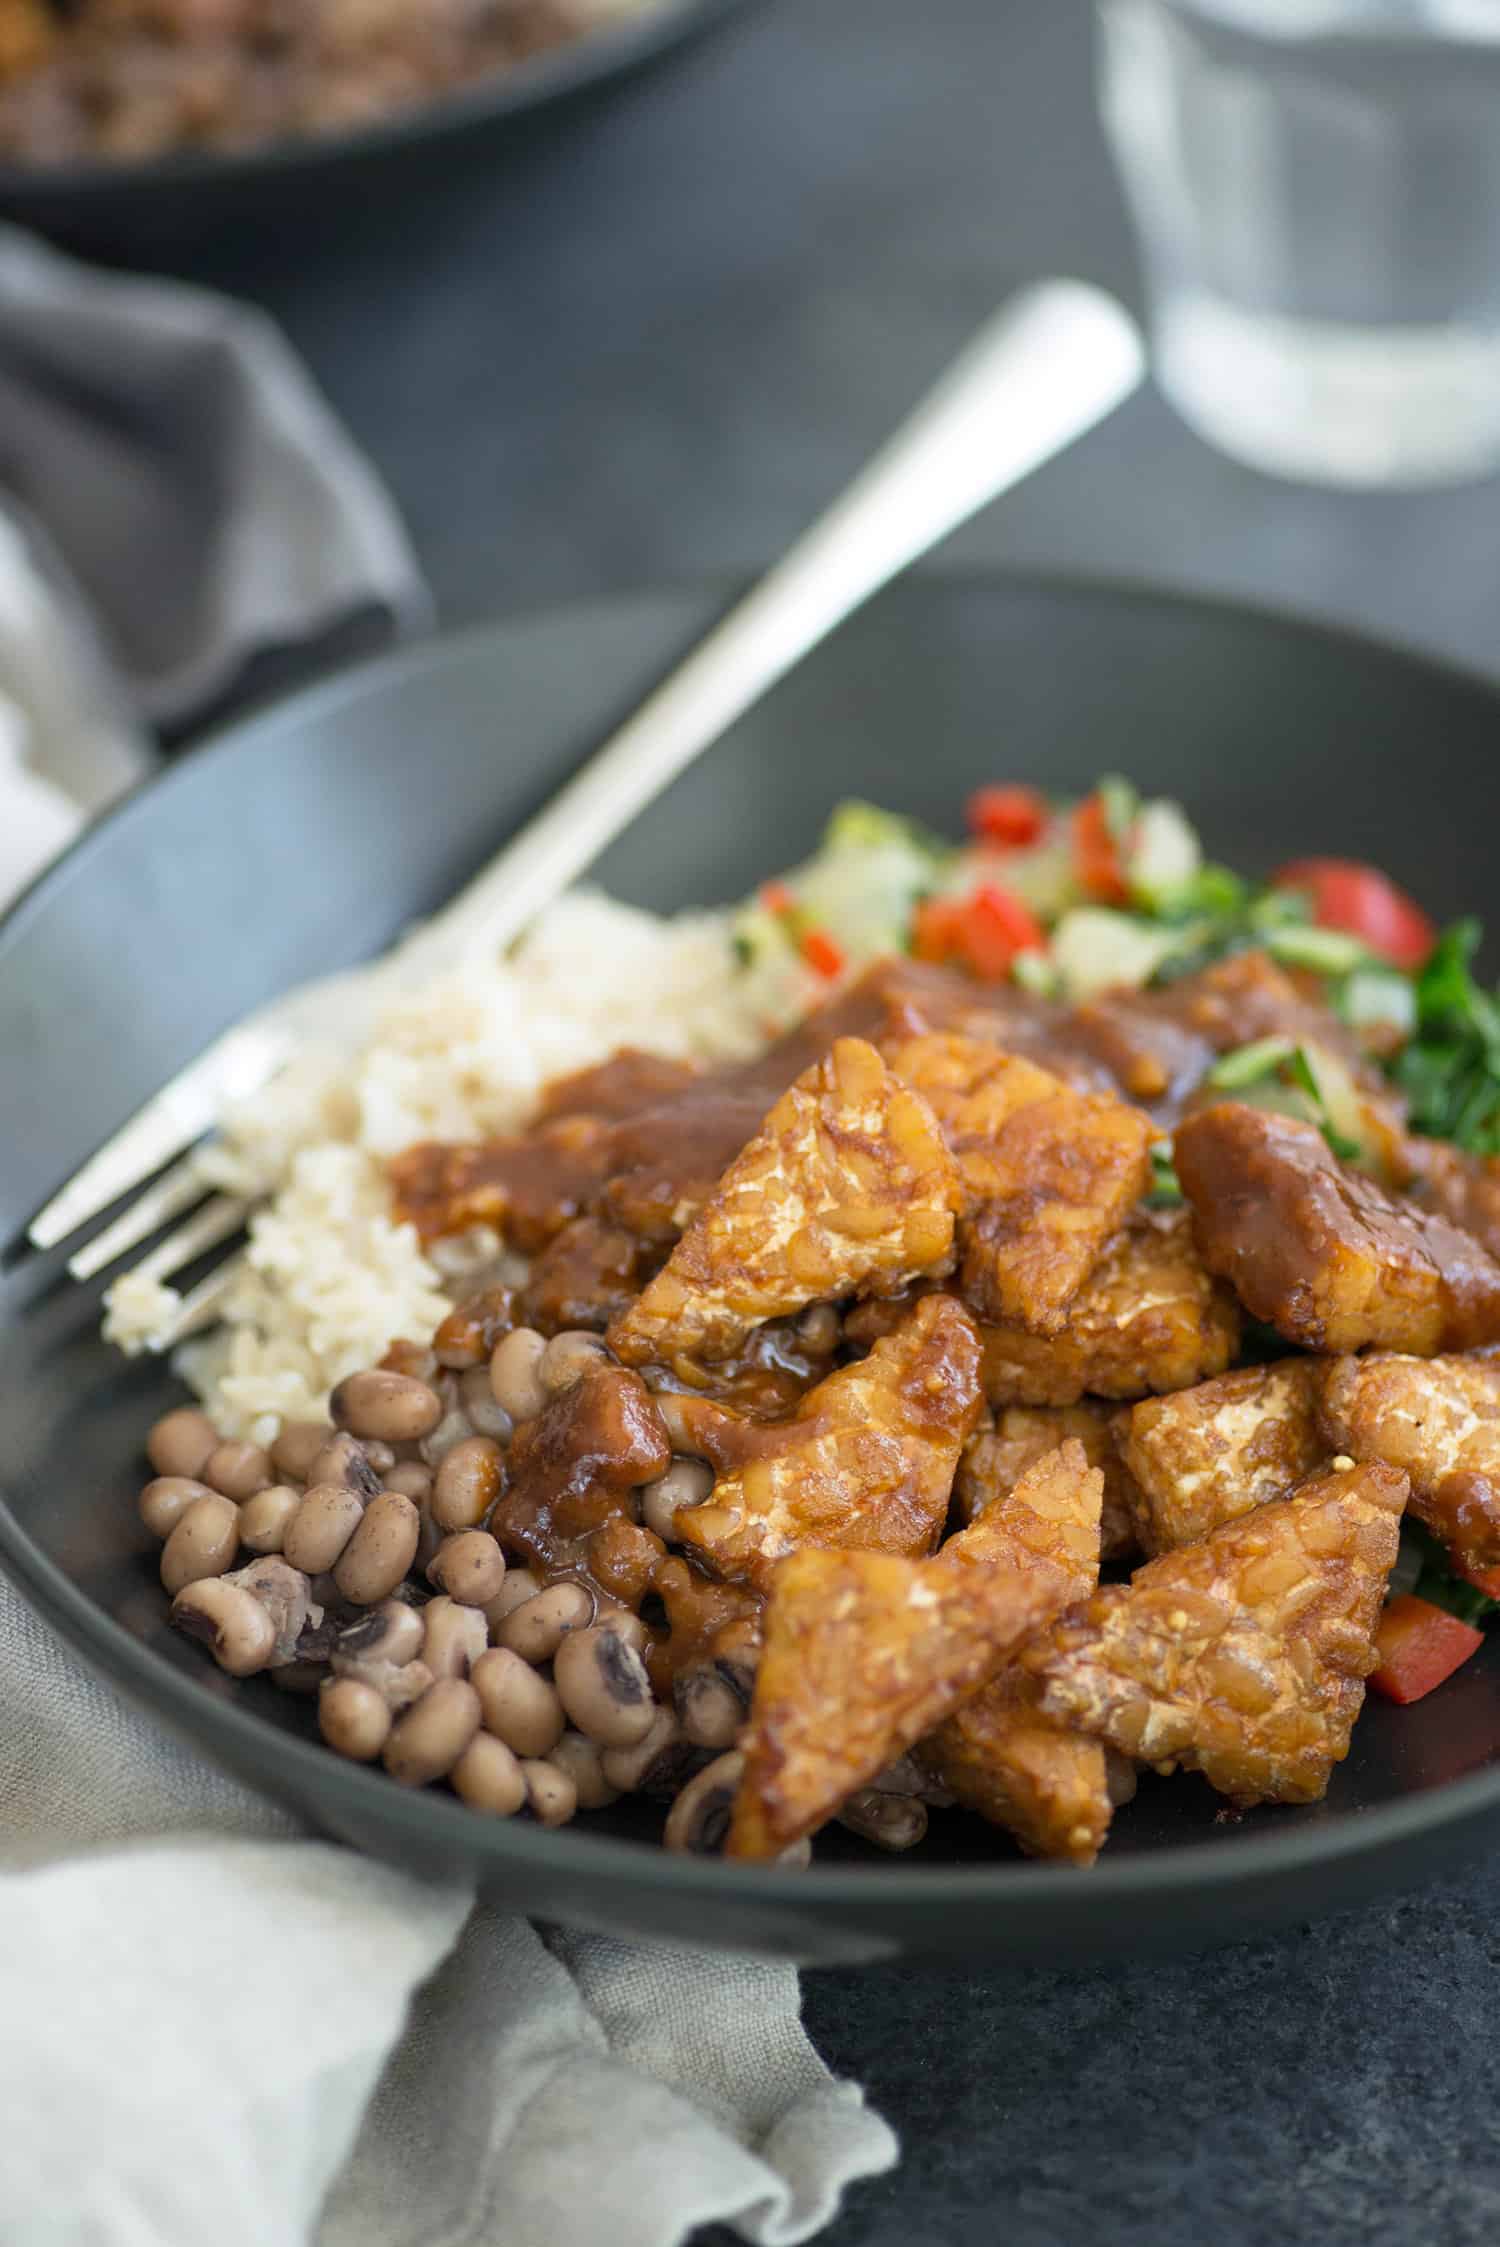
x=847, y=1186
x=865, y=1463
x=585, y=1276
x=1046, y=1784
x=1462, y=1187
x=1321, y=1252
x=1243, y=1657
x=1199, y=1458
x=1000, y=1451
x=1049, y=1174
x=1149, y=1318
x=1438, y=1419
x=863, y=1653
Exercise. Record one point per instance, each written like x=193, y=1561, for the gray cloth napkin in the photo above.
x=212, y=2028
x=216, y=2030
x=188, y=474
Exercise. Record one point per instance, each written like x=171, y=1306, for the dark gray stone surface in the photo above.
x=645, y=347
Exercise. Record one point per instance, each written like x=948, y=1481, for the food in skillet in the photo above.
x=1037, y=1315
x=125, y=80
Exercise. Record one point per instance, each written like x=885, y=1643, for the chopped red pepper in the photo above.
x=1011, y=816
x=1418, y=1645
x=983, y=932
x=1365, y=903
x=936, y=929
x=1096, y=854
x=776, y=897
x=822, y=954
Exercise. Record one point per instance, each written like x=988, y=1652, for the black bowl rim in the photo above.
x=595, y=56
x=361, y=1799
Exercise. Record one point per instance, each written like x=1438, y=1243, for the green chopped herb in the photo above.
x=1437, y=1582
x=1326, y=950
x=743, y=949
x=1450, y=1067
x=1249, y=1063
x=1166, y=1192
x=1120, y=801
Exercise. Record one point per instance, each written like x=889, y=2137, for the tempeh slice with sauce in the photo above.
x=1244, y=1657
x=1046, y=1783
x=1149, y=1318
x=1320, y=1251
x=864, y=1652
x=1438, y=1419
x=1049, y=1173
x=1199, y=1458
x=1018, y=1435
x=865, y=1462
x=847, y=1186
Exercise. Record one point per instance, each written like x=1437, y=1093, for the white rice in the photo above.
x=329, y=1278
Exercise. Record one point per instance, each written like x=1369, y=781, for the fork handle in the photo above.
x=1055, y=360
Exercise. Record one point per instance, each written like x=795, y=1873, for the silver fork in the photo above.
x=1050, y=364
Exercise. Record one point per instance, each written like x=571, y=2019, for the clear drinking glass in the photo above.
x=1316, y=187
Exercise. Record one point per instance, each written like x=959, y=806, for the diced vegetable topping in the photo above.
x=1365, y=903
x=1009, y=816
x=1450, y=1070
x=1096, y=852
x=984, y=932
x=1418, y=1646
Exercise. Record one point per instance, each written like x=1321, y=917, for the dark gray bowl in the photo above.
x=303, y=839
x=160, y=206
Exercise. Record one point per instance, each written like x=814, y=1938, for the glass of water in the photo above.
x=1316, y=187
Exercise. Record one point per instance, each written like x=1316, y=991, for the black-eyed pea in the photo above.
x=412, y=1479
x=286, y=1595
x=515, y=1381
x=296, y=1447
x=453, y=1637
x=699, y=1819
x=237, y=1470
x=518, y=1704
x=891, y=1821
x=467, y=1483
x=536, y=1629
x=391, y=1632
x=656, y=1764
x=325, y=1520
x=625, y=1625
x=386, y=1407
x=602, y=1683
x=181, y=1441
x=686, y=1483
x=579, y=1760
x=353, y=1718
x=264, y=1518
x=469, y=1567
x=380, y=1552
x=567, y=1358
x=520, y=1585
x=229, y=1621
x=345, y=1461
x=487, y=1776
x=709, y=1707
x=452, y=1430
x=163, y=1503
x=476, y=1401
x=551, y=1796
x=428, y=1740
x=204, y=1542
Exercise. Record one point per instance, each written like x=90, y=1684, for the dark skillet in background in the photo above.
x=305, y=838
x=154, y=207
